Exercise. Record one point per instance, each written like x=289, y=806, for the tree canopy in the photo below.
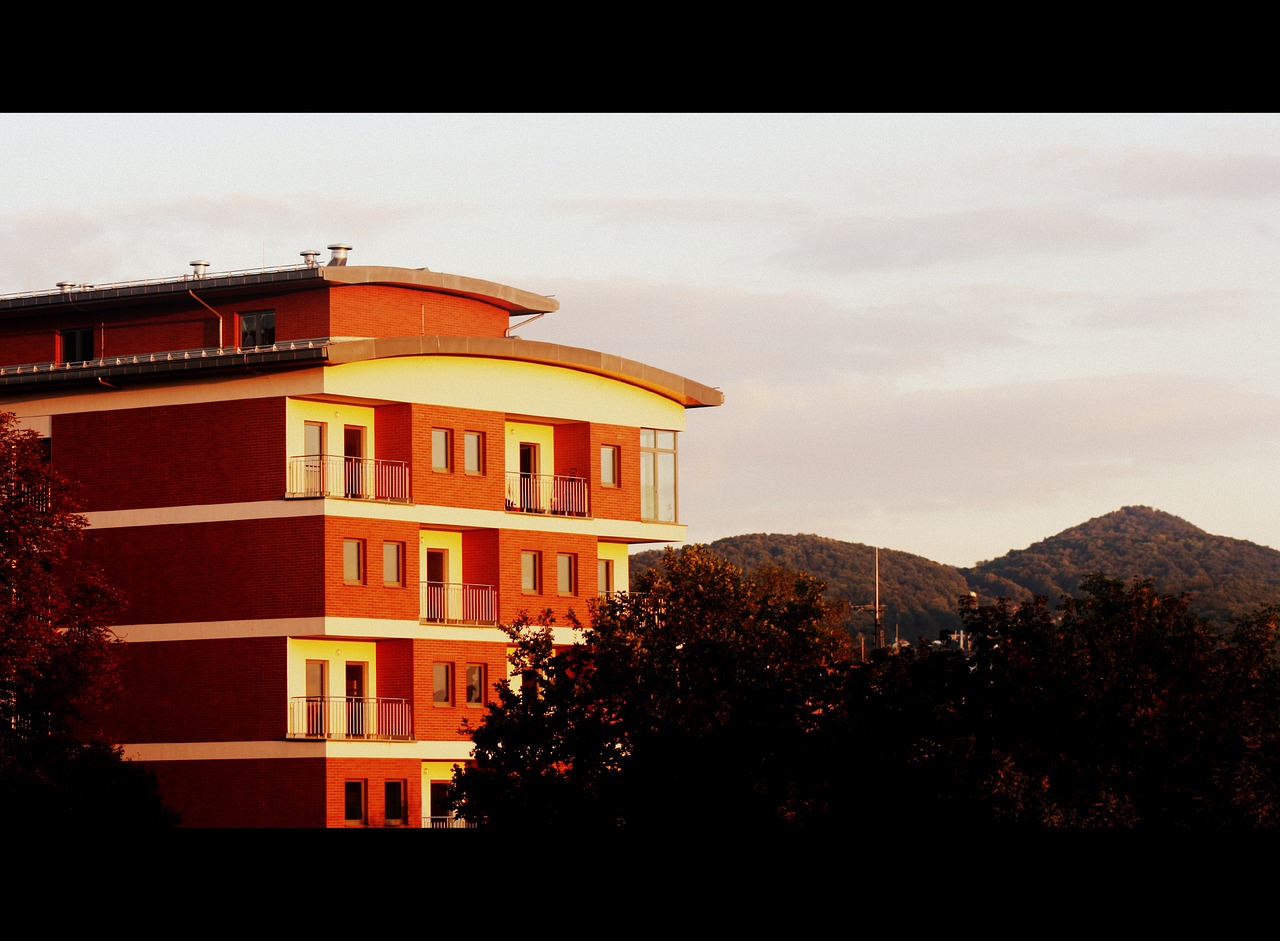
x=58, y=658
x=726, y=699
x=703, y=696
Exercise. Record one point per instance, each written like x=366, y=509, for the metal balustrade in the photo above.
x=357, y=478
x=447, y=823
x=458, y=603
x=162, y=356
x=550, y=494
x=344, y=717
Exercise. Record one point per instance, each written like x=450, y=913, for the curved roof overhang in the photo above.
x=686, y=392
x=512, y=300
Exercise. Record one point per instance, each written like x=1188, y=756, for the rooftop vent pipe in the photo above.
x=66, y=287
x=339, y=258
x=199, y=268
x=310, y=256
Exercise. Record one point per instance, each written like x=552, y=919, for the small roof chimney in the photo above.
x=339, y=258
x=198, y=268
x=309, y=257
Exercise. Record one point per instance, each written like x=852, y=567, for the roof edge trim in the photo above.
x=686, y=392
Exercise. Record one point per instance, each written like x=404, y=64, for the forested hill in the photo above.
x=1225, y=576
x=919, y=596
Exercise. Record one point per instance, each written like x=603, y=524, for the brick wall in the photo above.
x=282, y=792
x=370, y=310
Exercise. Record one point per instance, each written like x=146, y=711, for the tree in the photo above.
x=1121, y=709
x=706, y=696
x=58, y=658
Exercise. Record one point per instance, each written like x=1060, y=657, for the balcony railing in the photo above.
x=342, y=717
x=447, y=823
x=547, y=493
x=357, y=478
x=456, y=603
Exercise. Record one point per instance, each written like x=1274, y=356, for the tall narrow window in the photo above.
x=313, y=481
x=530, y=572
x=567, y=574
x=75, y=345
x=604, y=576
x=474, y=452
x=475, y=684
x=609, y=466
x=394, y=802
x=441, y=446
x=257, y=328
x=353, y=561
x=442, y=682
x=658, y=475
x=354, y=803
x=393, y=564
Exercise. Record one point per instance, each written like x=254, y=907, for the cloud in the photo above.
x=1165, y=174
x=862, y=243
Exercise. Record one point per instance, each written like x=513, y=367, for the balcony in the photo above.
x=457, y=603
x=549, y=494
x=355, y=478
x=447, y=823
x=349, y=719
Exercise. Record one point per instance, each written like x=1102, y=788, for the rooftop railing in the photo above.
x=190, y=277
x=164, y=356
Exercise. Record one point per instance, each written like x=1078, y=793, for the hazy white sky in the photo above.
x=949, y=334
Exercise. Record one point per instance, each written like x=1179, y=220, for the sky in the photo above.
x=952, y=335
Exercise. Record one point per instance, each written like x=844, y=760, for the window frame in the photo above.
x=534, y=575
x=398, y=548
x=478, y=438
x=253, y=324
x=566, y=574
x=363, y=796
x=402, y=786
x=657, y=461
x=604, y=576
x=77, y=337
x=444, y=452
x=614, y=464
x=436, y=687
x=481, y=687
x=361, y=560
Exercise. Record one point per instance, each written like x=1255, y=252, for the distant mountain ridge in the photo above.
x=1226, y=577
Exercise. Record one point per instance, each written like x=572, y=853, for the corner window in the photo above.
x=75, y=345
x=393, y=564
x=353, y=561
x=530, y=572
x=475, y=684
x=657, y=475
x=441, y=446
x=442, y=682
x=353, y=800
x=567, y=574
x=609, y=464
x=257, y=328
x=394, y=803
x=474, y=453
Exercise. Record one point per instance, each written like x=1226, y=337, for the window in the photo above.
x=442, y=678
x=353, y=800
x=394, y=802
x=530, y=572
x=567, y=574
x=657, y=475
x=473, y=442
x=257, y=328
x=441, y=445
x=609, y=465
x=353, y=561
x=393, y=564
x=75, y=345
x=475, y=684
x=604, y=576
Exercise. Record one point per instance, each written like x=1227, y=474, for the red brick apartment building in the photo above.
x=322, y=488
